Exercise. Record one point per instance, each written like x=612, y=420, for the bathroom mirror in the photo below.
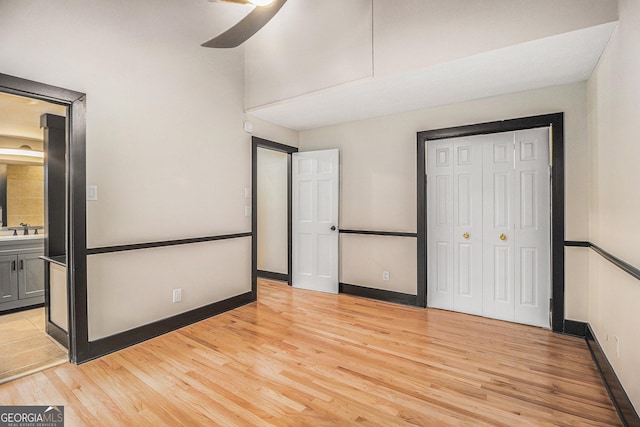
x=21, y=194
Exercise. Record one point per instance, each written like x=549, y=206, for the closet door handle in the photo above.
x=21, y=264
x=13, y=266
x=503, y=236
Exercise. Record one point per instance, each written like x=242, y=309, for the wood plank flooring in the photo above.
x=26, y=347
x=299, y=358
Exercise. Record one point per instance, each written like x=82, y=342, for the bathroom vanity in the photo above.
x=21, y=271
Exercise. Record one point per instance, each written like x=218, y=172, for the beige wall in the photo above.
x=206, y=272
x=272, y=132
x=272, y=211
x=58, y=312
x=165, y=144
x=614, y=113
x=378, y=182
x=364, y=258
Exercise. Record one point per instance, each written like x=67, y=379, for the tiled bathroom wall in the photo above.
x=25, y=195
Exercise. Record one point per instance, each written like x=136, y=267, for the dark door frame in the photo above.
x=289, y=150
x=556, y=122
x=75, y=203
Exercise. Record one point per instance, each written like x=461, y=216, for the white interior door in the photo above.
x=315, y=220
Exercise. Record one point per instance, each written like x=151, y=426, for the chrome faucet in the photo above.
x=26, y=228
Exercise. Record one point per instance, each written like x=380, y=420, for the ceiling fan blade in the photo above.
x=248, y=26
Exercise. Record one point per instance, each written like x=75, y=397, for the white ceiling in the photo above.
x=561, y=59
x=20, y=117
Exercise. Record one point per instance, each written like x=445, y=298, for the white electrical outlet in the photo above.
x=385, y=276
x=177, y=295
x=617, y=346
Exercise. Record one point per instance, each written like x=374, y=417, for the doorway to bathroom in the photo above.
x=28, y=127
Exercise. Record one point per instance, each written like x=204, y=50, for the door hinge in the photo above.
x=550, y=304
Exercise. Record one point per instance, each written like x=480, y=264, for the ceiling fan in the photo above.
x=249, y=25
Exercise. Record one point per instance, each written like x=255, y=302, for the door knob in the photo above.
x=503, y=236
x=466, y=235
x=333, y=228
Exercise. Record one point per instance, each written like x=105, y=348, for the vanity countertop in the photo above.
x=21, y=243
x=19, y=237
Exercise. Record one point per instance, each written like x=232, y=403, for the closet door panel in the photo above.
x=440, y=188
x=498, y=230
x=532, y=227
x=467, y=229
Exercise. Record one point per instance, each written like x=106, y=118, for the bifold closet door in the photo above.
x=488, y=225
x=454, y=225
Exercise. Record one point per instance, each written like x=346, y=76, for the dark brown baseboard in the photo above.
x=619, y=397
x=378, y=294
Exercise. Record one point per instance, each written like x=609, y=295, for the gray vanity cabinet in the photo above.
x=30, y=275
x=8, y=278
x=21, y=274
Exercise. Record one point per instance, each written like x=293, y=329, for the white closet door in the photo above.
x=488, y=225
x=532, y=222
x=467, y=225
x=498, y=227
x=440, y=224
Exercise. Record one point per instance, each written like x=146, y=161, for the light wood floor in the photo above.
x=305, y=358
x=25, y=346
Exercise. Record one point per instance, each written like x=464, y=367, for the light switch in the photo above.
x=247, y=211
x=92, y=192
x=248, y=126
x=247, y=193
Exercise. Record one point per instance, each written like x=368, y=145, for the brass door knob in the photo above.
x=503, y=236
x=465, y=235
